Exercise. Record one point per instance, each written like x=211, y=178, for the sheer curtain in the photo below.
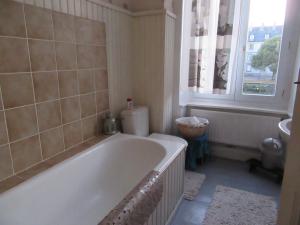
x=211, y=35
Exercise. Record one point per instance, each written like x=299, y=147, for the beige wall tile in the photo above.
x=64, y=29
x=65, y=56
x=56, y=41
x=89, y=127
x=5, y=162
x=84, y=30
x=87, y=103
x=70, y=108
x=86, y=81
x=3, y=132
x=101, y=80
x=85, y=56
x=38, y=22
x=25, y=153
x=45, y=86
x=11, y=19
x=52, y=142
x=100, y=60
x=68, y=84
x=49, y=115
x=21, y=122
x=102, y=100
x=100, y=120
x=72, y=134
x=16, y=89
x=13, y=50
x=42, y=55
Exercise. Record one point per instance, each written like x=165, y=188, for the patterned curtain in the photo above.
x=201, y=10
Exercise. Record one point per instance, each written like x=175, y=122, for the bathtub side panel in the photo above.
x=173, y=180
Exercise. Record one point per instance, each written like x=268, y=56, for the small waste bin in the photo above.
x=271, y=153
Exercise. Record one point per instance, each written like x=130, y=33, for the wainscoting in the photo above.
x=173, y=182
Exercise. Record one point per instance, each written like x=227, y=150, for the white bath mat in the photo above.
x=192, y=184
x=236, y=207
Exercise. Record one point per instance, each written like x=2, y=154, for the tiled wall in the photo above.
x=53, y=80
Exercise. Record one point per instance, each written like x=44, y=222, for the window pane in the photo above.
x=265, y=27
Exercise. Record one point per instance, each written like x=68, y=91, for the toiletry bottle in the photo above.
x=129, y=103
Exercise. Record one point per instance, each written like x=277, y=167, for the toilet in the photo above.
x=136, y=121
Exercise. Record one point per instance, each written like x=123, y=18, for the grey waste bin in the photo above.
x=271, y=153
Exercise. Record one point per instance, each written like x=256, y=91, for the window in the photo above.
x=266, y=56
x=251, y=46
x=235, y=49
x=248, y=68
x=267, y=36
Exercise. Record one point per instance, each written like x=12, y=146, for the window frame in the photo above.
x=235, y=95
x=281, y=86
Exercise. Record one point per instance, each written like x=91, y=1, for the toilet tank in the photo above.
x=136, y=121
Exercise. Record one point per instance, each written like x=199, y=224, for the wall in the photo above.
x=121, y=43
x=141, y=5
x=148, y=69
x=170, y=26
x=153, y=67
x=53, y=78
x=118, y=23
x=295, y=78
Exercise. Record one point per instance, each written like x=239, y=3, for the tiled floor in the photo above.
x=222, y=172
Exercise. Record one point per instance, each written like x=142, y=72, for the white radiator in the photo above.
x=239, y=129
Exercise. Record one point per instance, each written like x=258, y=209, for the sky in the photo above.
x=267, y=12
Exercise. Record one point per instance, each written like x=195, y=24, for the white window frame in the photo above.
x=280, y=91
x=235, y=95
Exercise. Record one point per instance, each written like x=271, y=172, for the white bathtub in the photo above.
x=84, y=188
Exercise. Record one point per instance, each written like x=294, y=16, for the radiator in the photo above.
x=239, y=129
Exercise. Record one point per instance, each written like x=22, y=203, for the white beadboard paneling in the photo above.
x=71, y=7
x=169, y=72
x=56, y=5
x=154, y=37
x=83, y=8
x=148, y=66
x=39, y=3
x=173, y=180
x=239, y=129
x=64, y=6
x=89, y=7
x=78, y=7
x=48, y=4
x=31, y=2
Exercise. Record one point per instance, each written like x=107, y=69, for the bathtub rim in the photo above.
x=160, y=139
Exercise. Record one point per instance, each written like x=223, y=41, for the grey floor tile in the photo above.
x=228, y=173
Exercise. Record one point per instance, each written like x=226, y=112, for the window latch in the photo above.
x=297, y=82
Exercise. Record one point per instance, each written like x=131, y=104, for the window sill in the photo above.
x=237, y=109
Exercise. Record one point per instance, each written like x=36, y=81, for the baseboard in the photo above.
x=234, y=152
x=174, y=211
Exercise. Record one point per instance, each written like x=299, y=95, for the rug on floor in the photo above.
x=192, y=184
x=236, y=207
